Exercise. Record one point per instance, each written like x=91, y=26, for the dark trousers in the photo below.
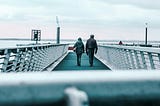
x=79, y=59
x=91, y=56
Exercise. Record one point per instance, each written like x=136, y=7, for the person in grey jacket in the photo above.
x=91, y=48
x=79, y=49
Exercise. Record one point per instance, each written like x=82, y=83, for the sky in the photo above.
x=106, y=19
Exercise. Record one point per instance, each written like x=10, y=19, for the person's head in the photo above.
x=79, y=39
x=91, y=36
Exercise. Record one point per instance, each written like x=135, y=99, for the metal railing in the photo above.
x=83, y=88
x=30, y=58
x=129, y=57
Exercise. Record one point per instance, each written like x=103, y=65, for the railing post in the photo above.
x=6, y=60
x=137, y=60
x=30, y=55
x=38, y=59
x=107, y=55
x=122, y=61
x=111, y=57
x=31, y=63
x=28, y=59
x=143, y=60
x=115, y=60
x=127, y=61
x=151, y=60
x=41, y=59
x=45, y=56
x=15, y=60
x=132, y=60
x=118, y=55
x=22, y=60
x=35, y=59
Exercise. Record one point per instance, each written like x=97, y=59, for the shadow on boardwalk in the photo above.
x=70, y=63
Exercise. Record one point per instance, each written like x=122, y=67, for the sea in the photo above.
x=13, y=43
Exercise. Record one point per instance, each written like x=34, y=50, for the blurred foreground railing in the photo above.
x=129, y=57
x=81, y=88
x=30, y=58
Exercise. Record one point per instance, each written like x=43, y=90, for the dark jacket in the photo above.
x=79, y=47
x=91, y=44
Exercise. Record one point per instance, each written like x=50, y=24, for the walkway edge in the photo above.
x=54, y=64
x=105, y=62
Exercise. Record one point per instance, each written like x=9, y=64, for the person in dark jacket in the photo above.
x=79, y=49
x=91, y=48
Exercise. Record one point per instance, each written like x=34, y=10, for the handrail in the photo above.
x=125, y=88
x=137, y=48
x=129, y=57
x=30, y=58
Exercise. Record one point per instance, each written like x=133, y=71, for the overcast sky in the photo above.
x=107, y=19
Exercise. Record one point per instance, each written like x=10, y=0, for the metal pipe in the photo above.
x=125, y=88
x=58, y=35
x=146, y=31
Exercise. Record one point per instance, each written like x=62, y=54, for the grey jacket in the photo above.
x=91, y=44
x=79, y=47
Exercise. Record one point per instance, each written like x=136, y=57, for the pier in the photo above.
x=69, y=63
x=47, y=74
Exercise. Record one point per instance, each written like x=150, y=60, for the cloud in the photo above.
x=147, y=4
x=84, y=16
x=70, y=10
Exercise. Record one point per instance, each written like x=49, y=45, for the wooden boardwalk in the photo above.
x=70, y=63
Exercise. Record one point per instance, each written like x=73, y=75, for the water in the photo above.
x=129, y=42
x=13, y=43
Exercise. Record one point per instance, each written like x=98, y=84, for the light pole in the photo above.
x=146, y=33
x=58, y=30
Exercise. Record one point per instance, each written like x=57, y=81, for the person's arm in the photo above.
x=87, y=47
x=74, y=47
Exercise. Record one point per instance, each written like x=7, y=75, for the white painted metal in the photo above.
x=76, y=97
x=100, y=86
x=143, y=60
x=132, y=60
x=137, y=59
x=30, y=58
x=6, y=59
x=151, y=61
x=129, y=57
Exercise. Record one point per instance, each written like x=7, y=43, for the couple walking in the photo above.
x=91, y=48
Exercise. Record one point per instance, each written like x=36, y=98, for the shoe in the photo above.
x=91, y=65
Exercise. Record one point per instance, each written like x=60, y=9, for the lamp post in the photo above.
x=58, y=30
x=58, y=35
x=146, y=25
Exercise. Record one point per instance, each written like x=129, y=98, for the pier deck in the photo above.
x=70, y=63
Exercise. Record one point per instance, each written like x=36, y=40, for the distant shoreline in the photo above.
x=26, y=39
x=22, y=39
x=12, y=39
